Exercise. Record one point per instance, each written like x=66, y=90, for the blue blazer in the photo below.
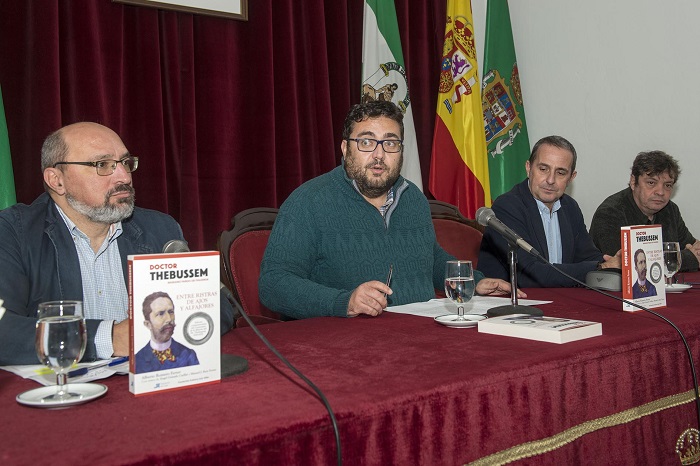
x=518, y=209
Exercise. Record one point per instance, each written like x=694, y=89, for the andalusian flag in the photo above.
x=7, y=180
x=504, y=116
x=458, y=169
x=384, y=75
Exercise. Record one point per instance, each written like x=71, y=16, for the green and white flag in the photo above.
x=504, y=116
x=384, y=75
x=7, y=179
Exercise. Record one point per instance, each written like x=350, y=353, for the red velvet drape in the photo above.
x=224, y=114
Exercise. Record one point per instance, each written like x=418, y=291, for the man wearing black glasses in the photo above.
x=337, y=236
x=72, y=242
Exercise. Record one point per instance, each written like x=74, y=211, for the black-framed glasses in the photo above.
x=107, y=167
x=368, y=145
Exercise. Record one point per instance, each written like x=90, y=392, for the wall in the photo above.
x=615, y=78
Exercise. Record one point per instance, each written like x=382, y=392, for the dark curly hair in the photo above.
x=373, y=109
x=654, y=163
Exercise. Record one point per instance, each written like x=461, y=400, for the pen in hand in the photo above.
x=106, y=363
x=388, y=278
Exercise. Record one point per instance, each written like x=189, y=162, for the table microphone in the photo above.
x=231, y=364
x=175, y=245
x=487, y=217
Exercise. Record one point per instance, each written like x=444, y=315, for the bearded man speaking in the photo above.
x=337, y=236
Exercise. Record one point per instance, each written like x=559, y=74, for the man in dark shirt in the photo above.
x=646, y=201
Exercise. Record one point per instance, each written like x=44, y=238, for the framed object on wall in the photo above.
x=233, y=9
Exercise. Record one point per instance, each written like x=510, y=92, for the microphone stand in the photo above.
x=513, y=307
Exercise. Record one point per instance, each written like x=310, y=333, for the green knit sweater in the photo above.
x=327, y=240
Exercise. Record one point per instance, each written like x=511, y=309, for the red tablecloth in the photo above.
x=404, y=389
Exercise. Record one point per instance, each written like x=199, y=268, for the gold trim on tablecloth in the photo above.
x=538, y=447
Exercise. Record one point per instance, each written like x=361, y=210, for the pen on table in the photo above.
x=85, y=370
x=388, y=278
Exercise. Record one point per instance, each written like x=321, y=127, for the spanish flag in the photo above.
x=459, y=172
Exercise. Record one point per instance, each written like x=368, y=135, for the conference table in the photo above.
x=405, y=390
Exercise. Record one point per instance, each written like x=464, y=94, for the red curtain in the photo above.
x=224, y=114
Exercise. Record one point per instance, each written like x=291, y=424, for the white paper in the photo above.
x=45, y=376
x=477, y=305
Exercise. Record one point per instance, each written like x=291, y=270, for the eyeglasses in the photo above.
x=368, y=145
x=107, y=167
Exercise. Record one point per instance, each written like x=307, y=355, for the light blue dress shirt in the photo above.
x=550, y=222
x=104, y=291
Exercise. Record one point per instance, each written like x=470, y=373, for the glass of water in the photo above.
x=60, y=341
x=459, y=284
x=672, y=260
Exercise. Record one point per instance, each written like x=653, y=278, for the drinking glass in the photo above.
x=459, y=284
x=672, y=260
x=60, y=341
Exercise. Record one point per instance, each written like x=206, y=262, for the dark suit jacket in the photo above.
x=39, y=263
x=518, y=209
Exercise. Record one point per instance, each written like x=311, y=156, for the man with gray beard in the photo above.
x=72, y=242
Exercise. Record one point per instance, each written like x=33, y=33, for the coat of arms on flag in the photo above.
x=502, y=121
x=388, y=83
x=457, y=70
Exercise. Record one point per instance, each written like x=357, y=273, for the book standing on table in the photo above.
x=642, y=266
x=174, y=321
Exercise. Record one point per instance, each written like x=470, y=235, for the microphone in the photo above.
x=487, y=218
x=175, y=245
x=230, y=363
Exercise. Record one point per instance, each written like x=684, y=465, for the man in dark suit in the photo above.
x=162, y=352
x=550, y=220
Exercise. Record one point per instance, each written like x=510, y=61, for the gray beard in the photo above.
x=106, y=213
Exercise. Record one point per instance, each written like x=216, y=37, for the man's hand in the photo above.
x=368, y=298
x=495, y=286
x=120, y=338
x=695, y=248
x=612, y=262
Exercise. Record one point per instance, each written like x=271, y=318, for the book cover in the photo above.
x=642, y=267
x=174, y=335
x=541, y=328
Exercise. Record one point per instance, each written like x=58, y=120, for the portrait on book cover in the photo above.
x=643, y=286
x=162, y=352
